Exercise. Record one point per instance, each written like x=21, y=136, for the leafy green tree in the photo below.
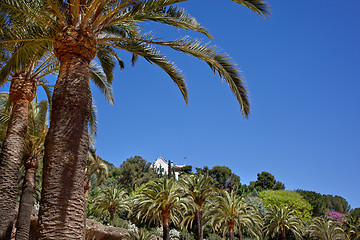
x=337, y=204
x=198, y=189
x=325, y=229
x=160, y=200
x=110, y=199
x=80, y=30
x=284, y=198
x=203, y=171
x=187, y=169
x=224, y=177
x=230, y=212
x=281, y=219
x=135, y=171
x=317, y=201
x=266, y=181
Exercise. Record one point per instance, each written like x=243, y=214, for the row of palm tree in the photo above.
x=75, y=32
x=195, y=202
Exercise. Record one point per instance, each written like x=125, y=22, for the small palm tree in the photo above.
x=282, y=219
x=230, y=212
x=351, y=228
x=198, y=189
x=110, y=199
x=160, y=201
x=141, y=234
x=326, y=229
x=95, y=166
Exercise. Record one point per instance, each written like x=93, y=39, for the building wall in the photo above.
x=161, y=166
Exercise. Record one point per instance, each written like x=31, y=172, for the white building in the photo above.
x=161, y=166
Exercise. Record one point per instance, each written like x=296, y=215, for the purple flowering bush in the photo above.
x=336, y=216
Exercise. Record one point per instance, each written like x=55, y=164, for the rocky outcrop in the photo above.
x=97, y=231
x=94, y=230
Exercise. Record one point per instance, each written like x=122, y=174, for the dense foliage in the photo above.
x=259, y=212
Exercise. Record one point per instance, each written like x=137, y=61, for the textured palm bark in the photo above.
x=231, y=230
x=61, y=214
x=199, y=225
x=241, y=237
x=165, y=215
x=283, y=234
x=22, y=92
x=87, y=186
x=26, y=201
x=61, y=209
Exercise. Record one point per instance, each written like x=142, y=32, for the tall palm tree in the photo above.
x=230, y=212
x=198, y=189
x=280, y=219
x=160, y=201
x=34, y=146
x=110, y=199
x=22, y=91
x=15, y=140
x=326, y=229
x=80, y=30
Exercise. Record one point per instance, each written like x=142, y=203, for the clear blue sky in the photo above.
x=302, y=68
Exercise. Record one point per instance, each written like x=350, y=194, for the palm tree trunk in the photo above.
x=200, y=235
x=166, y=228
x=241, y=237
x=26, y=201
x=22, y=92
x=231, y=230
x=283, y=235
x=61, y=214
x=87, y=185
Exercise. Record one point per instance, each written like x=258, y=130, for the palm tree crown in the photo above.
x=160, y=201
x=325, y=229
x=230, y=212
x=281, y=219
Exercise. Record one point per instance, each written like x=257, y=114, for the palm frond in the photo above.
x=152, y=55
x=176, y=17
x=98, y=76
x=259, y=7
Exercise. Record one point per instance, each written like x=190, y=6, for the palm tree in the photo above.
x=23, y=88
x=198, y=189
x=326, y=229
x=351, y=228
x=280, y=219
x=22, y=91
x=110, y=199
x=230, y=212
x=95, y=166
x=80, y=30
x=160, y=201
x=141, y=234
x=34, y=145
